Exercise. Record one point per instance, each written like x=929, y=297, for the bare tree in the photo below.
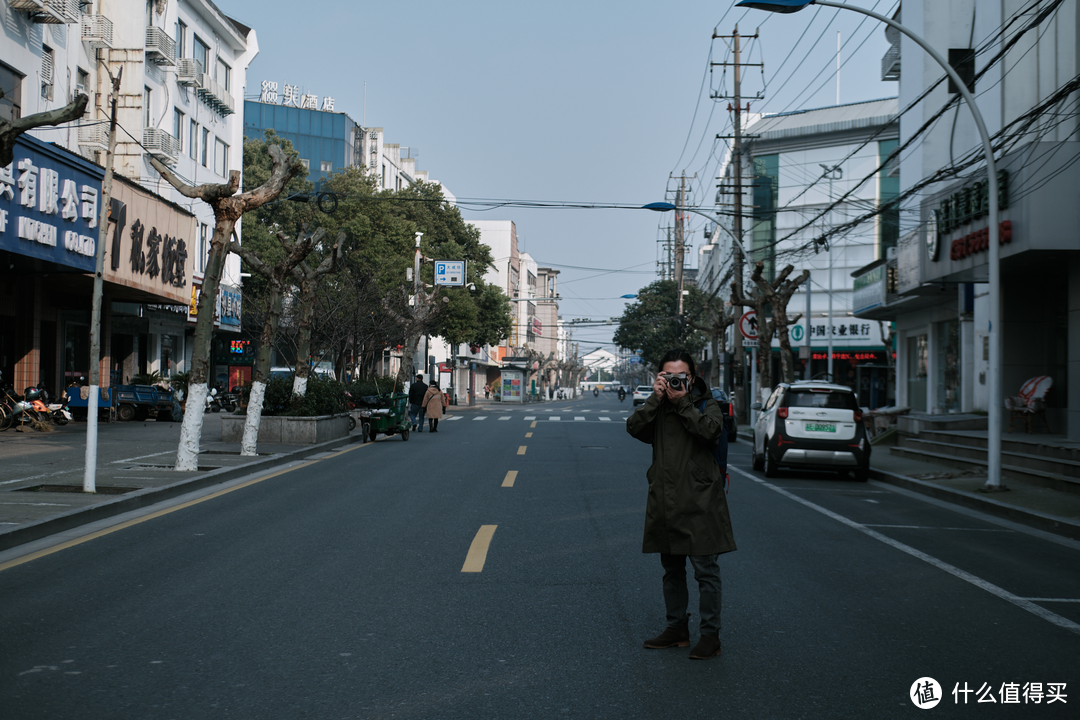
x=776, y=295
x=276, y=276
x=420, y=318
x=228, y=208
x=307, y=278
x=10, y=130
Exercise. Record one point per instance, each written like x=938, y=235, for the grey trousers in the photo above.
x=677, y=597
x=415, y=412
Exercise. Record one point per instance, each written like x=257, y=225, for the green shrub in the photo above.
x=323, y=397
x=373, y=386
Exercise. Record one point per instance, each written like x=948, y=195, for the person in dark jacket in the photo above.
x=416, y=403
x=686, y=513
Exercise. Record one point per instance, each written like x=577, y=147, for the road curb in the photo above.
x=151, y=496
x=1032, y=518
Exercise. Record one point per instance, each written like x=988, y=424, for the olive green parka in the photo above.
x=686, y=512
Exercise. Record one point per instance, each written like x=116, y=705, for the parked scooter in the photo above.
x=58, y=412
x=212, y=402
x=230, y=400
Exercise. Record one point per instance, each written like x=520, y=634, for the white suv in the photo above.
x=641, y=394
x=811, y=425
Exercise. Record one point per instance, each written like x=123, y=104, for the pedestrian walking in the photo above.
x=487, y=391
x=686, y=514
x=417, y=390
x=433, y=404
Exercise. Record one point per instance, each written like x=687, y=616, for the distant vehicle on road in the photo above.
x=811, y=425
x=641, y=394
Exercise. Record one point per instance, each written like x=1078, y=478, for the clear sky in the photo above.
x=565, y=101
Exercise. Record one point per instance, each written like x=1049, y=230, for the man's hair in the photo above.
x=419, y=376
x=679, y=356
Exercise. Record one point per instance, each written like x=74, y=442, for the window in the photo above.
x=47, y=63
x=178, y=129
x=201, y=52
x=326, y=166
x=193, y=141
x=205, y=145
x=82, y=82
x=146, y=107
x=11, y=102
x=221, y=157
x=963, y=62
x=181, y=39
x=222, y=74
x=204, y=247
x=306, y=163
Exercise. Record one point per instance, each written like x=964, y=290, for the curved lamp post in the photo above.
x=993, y=481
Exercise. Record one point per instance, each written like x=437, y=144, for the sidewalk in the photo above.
x=41, y=473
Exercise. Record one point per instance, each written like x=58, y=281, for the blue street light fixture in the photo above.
x=993, y=481
x=627, y=297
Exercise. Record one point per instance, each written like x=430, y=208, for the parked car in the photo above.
x=811, y=425
x=641, y=394
x=729, y=414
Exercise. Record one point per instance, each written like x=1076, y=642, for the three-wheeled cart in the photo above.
x=386, y=414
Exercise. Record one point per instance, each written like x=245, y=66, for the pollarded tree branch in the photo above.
x=10, y=131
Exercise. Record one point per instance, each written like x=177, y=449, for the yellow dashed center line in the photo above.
x=511, y=476
x=521, y=450
x=474, y=561
x=528, y=435
x=533, y=424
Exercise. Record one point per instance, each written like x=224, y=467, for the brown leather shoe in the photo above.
x=708, y=646
x=675, y=636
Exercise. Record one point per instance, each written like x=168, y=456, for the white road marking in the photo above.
x=452, y=417
x=1053, y=600
x=931, y=527
x=530, y=417
x=579, y=419
x=978, y=582
x=505, y=417
x=140, y=457
x=605, y=419
x=554, y=418
x=37, y=504
x=480, y=417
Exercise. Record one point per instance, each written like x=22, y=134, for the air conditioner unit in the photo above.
x=97, y=31
x=160, y=48
x=94, y=137
x=161, y=145
x=189, y=73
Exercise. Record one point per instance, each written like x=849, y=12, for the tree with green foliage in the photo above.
x=652, y=324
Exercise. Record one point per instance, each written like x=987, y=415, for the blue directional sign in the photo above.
x=450, y=272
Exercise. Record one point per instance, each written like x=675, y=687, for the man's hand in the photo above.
x=676, y=395
x=660, y=386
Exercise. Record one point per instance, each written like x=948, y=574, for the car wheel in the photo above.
x=126, y=412
x=768, y=464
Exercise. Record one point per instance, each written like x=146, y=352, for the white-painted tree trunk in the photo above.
x=249, y=444
x=187, y=454
x=299, y=385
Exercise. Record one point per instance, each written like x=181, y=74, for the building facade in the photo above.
x=806, y=173
x=1023, y=76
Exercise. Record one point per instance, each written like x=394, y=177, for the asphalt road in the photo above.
x=335, y=589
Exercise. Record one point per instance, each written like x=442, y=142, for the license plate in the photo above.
x=820, y=427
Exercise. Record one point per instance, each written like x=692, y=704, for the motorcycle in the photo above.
x=231, y=400
x=622, y=394
x=59, y=412
x=212, y=402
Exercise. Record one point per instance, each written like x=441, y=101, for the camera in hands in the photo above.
x=676, y=382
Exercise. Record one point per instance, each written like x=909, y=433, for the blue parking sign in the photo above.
x=450, y=272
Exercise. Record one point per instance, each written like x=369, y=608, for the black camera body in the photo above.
x=677, y=382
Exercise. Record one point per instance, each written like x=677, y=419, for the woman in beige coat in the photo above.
x=433, y=404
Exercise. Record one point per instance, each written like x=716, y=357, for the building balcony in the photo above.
x=161, y=145
x=97, y=31
x=160, y=48
x=890, y=63
x=216, y=96
x=52, y=12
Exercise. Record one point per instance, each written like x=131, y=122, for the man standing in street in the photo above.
x=686, y=514
x=416, y=403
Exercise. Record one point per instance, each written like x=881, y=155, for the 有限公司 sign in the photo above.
x=49, y=205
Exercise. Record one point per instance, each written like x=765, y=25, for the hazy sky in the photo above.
x=564, y=101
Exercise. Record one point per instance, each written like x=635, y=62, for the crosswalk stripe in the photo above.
x=530, y=417
x=505, y=417
x=452, y=417
x=480, y=417
x=554, y=418
x=579, y=419
x=605, y=419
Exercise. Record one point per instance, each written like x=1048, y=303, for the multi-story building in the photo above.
x=1021, y=62
x=182, y=65
x=807, y=172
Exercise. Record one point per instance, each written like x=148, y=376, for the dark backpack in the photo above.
x=719, y=450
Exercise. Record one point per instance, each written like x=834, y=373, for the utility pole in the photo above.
x=90, y=466
x=680, y=241
x=737, y=165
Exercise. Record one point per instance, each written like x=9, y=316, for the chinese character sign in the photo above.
x=48, y=205
x=291, y=95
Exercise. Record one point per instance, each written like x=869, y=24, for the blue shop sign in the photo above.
x=50, y=205
x=229, y=307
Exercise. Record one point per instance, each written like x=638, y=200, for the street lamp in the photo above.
x=993, y=481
